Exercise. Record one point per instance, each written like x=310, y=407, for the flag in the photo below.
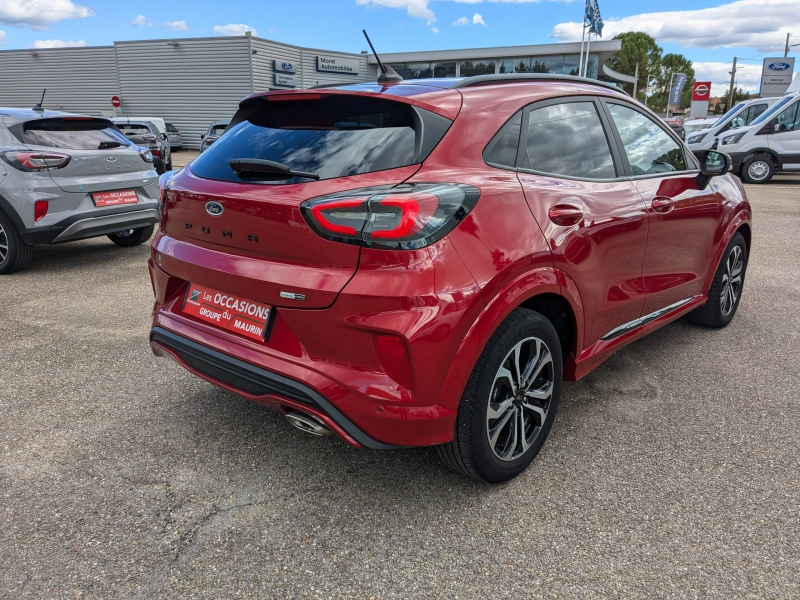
x=588, y=13
x=677, y=88
x=596, y=24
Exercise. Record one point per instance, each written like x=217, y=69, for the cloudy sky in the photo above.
x=709, y=32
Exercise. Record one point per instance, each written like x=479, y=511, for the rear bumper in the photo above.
x=83, y=225
x=258, y=384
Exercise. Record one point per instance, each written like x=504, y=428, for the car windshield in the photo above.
x=73, y=134
x=698, y=126
x=732, y=113
x=767, y=114
x=330, y=137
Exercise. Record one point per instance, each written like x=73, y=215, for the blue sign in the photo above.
x=779, y=66
x=677, y=88
x=284, y=66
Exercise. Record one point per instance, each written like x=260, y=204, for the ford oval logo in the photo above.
x=287, y=66
x=215, y=209
x=111, y=158
x=779, y=66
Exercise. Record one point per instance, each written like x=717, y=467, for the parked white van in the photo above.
x=771, y=143
x=740, y=115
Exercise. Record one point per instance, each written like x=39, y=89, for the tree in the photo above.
x=738, y=95
x=637, y=47
x=672, y=63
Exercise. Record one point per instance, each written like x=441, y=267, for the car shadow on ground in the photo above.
x=48, y=258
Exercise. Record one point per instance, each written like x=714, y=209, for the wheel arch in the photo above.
x=541, y=290
x=776, y=159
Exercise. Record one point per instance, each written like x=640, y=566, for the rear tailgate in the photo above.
x=243, y=232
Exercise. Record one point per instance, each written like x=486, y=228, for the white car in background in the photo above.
x=741, y=115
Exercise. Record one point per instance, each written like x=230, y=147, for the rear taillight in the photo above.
x=146, y=155
x=36, y=161
x=403, y=217
x=149, y=138
x=163, y=183
x=156, y=153
x=40, y=209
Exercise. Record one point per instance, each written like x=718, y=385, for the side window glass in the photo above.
x=787, y=120
x=568, y=139
x=755, y=111
x=502, y=150
x=649, y=148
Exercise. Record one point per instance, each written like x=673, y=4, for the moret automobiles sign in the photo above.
x=337, y=64
x=776, y=76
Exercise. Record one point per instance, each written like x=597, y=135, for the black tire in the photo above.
x=15, y=253
x=765, y=166
x=169, y=166
x=471, y=451
x=132, y=237
x=715, y=312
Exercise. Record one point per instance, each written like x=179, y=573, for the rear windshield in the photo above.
x=133, y=129
x=218, y=129
x=73, y=134
x=334, y=136
x=171, y=128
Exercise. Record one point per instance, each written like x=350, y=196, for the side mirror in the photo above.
x=712, y=164
x=776, y=128
x=202, y=136
x=163, y=136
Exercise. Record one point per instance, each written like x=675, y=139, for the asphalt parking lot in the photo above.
x=673, y=471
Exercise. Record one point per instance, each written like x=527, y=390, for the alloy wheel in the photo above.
x=520, y=399
x=758, y=170
x=3, y=244
x=731, y=280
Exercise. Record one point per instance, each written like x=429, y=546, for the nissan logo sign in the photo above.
x=215, y=209
x=778, y=66
x=287, y=66
x=701, y=90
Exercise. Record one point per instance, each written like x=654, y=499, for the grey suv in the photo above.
x=147, y=135
x=68, y=177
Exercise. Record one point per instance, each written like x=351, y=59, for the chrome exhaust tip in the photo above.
x=307, y=423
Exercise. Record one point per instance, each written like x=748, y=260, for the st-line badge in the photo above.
x=232, y=313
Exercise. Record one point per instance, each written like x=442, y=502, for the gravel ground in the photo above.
x=673, y=471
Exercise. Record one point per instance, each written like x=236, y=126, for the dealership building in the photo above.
x=193, y=82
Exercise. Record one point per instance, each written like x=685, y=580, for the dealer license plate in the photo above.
x=232, y=313
x=115, y=198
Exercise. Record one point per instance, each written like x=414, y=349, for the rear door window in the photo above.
x=333, y=136
x=568, y=139
x=73, y=134
x=502, y=150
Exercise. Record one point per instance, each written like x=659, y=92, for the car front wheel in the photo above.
x=510, y=400
x=132, y=237
x=758, y=169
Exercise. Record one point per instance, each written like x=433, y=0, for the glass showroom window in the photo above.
x=547, y=64
x=444, y=69
x=413, y=70
x=515, y=65
x=483, y=67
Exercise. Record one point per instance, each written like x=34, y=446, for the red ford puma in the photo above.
x=424, y=262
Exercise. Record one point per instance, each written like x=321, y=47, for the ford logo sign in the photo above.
x=287, y=66
x=215, y=209
x=779, y=66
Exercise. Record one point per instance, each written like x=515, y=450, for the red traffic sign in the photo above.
x=115, y=101
x=702, y=90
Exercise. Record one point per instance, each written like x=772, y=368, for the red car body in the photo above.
x=591, y=256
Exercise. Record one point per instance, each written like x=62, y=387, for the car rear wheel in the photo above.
x=758, y=169
x=726, y=289
x=132, y=237
x=510, y=400
x=15, y=254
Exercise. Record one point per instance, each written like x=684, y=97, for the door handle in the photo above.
x=662, y=204
x=565, y=214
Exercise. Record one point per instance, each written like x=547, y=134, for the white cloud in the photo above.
x=234, y=29
x=461, y=22
x=40, y=14
x=3, y=37
x=748, y=76
x=57, y=44
x=139, y=21
x=478, y=20
x=414, y=8
x=759, y=24
x=176, y=25
x=434, y=30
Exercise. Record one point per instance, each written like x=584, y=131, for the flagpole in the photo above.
x=583, y=35
x=588, y=45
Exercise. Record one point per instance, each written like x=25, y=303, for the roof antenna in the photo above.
x=388, y=74
x=38, y=107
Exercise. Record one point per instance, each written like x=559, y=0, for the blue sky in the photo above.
x=709, y=32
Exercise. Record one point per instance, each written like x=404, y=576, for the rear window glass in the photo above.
x=334, y=136
x=84, y=134
x=132, y=129
x=218, y=130
x=171, y=128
